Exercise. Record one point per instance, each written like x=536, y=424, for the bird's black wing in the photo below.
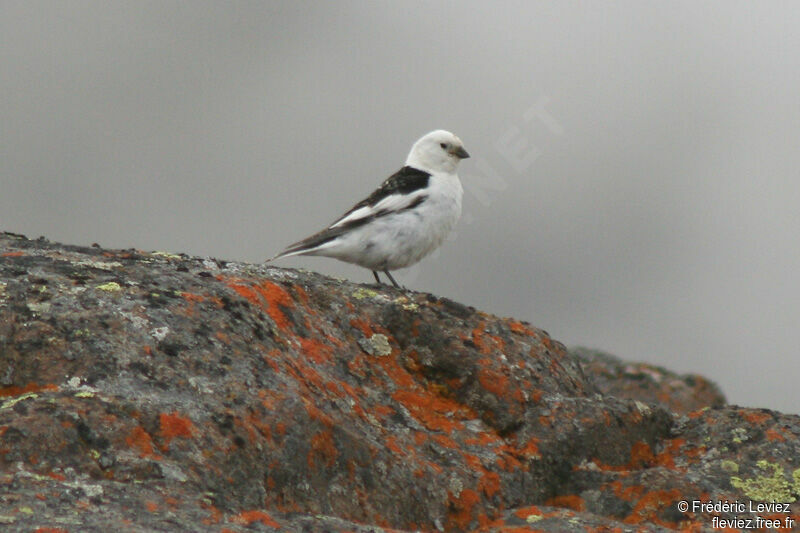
x=403, y=182
x=401, y=185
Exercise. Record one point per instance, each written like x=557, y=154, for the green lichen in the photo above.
x=739, y=435
x=378, y=344
x=14, y=401
x=39, y=307
x=729, y=466
x=25, y=510
x=773, y=486
x=642, y=407
x=362, y=293
x=84, y=394
x=166, y=255
x=101, y=265
x=534, y=518
x=405, y=303
x=111, y=286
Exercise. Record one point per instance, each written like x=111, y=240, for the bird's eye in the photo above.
x=443, y=145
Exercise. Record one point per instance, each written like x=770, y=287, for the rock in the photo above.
x=154, y=391
x=648, y=383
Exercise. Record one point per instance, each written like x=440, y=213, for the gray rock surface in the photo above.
x=160, y=392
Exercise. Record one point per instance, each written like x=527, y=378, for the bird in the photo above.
x=404, y=219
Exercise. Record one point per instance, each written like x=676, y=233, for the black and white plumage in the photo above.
x=404, y=219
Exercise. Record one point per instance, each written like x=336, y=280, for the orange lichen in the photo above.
x=151, y=506
x=317, y=414
x=382, y=410
x=216, y=514
x=666, y=457
x=12, y=254
x=569, y=501
x=191, y=297
x=248, y=517
x=520, y=328
x=445, y=441
x=362, y=325
x=628, y=494
x=15, y=390
x=774, y=435
x=696, y=414
x=391, y=443
x=433, y=412
x=531, y=448
x=322, y=448
x=525, y=512
x=509, y=463
x=306, y=374
x=171, y=501
x=754, y=417
x=461, y=508
x=276, y=296
x=489, y=483
x=433, y=466
x=83, y=505
x=140, y=440
x=651, y=504
x=484, y=438
x=396, y=372
x=317, y=351
x=246, y=292
x=173, y=425
x=268, y=296
x=478, y=335
x=493, y=381
x=641, y=456
x=272, y=363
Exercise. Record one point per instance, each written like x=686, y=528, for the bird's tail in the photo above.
x=286, y=253
x=311, y=245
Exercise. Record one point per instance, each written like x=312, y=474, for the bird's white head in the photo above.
x=437, y=151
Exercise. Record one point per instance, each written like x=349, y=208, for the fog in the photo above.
x=635, y=178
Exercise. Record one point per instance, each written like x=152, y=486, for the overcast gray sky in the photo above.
x=635, y=177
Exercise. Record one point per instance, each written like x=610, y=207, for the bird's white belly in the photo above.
x=401, y=239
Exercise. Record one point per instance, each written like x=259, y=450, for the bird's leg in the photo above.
x=391, y=278
x=375, y=273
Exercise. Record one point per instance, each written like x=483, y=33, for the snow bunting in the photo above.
x=404, y=219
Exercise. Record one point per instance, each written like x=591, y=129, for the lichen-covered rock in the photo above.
x=152, y=391
x=648, y=383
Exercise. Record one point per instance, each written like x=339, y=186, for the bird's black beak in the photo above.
x=461, y=153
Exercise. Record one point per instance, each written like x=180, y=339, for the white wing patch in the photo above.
x=392, y=203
